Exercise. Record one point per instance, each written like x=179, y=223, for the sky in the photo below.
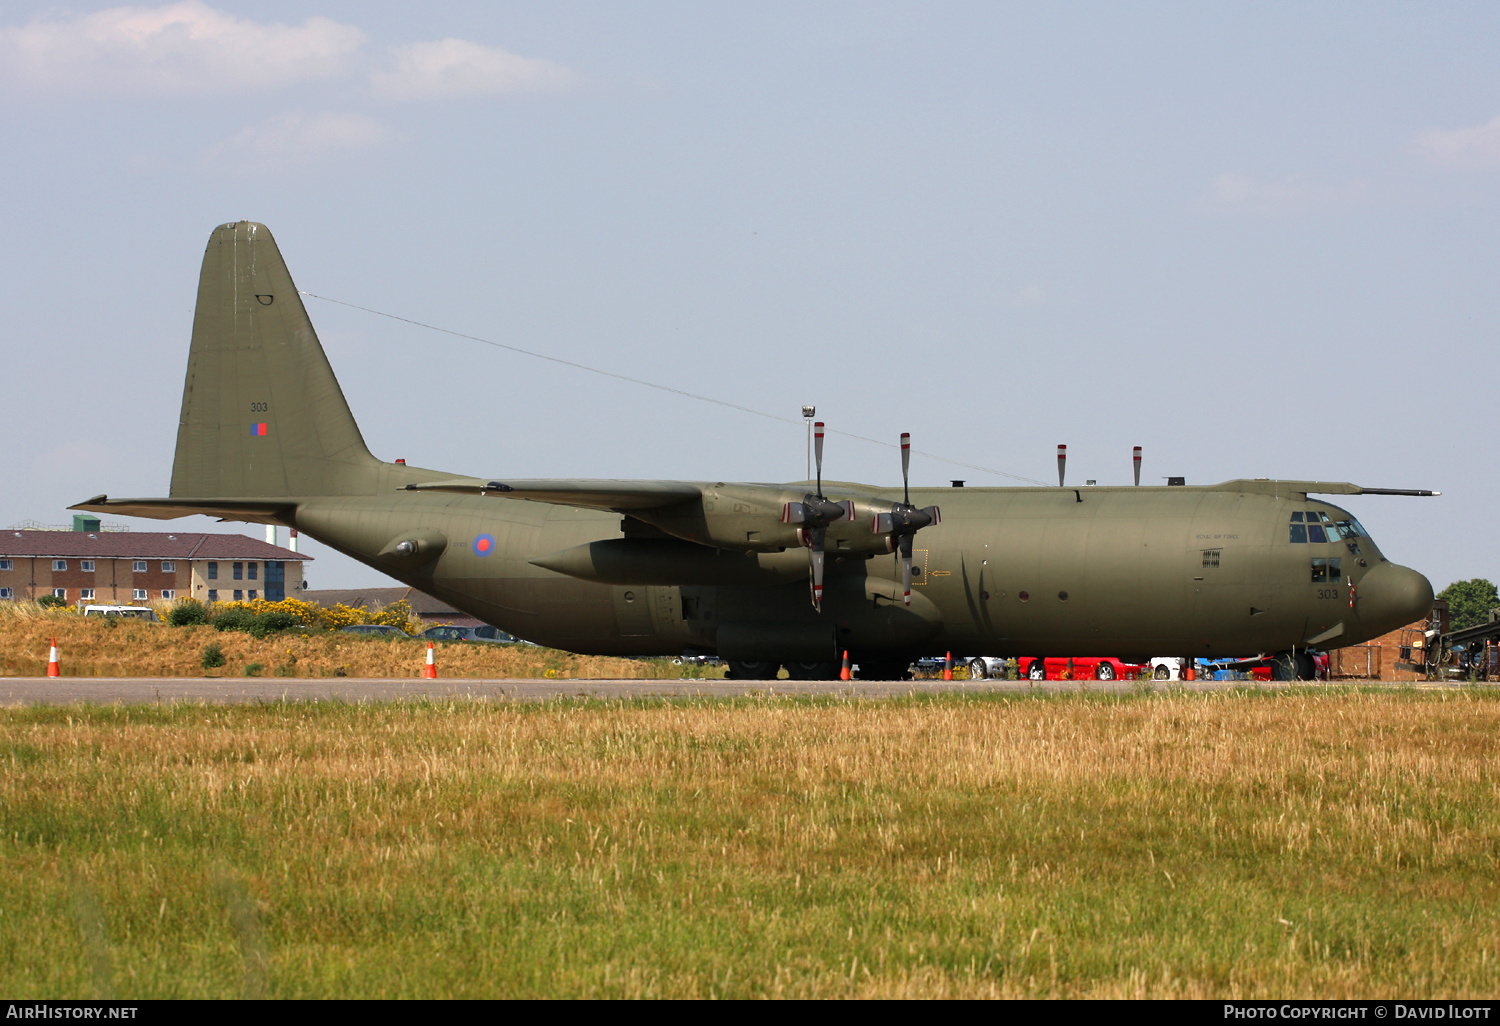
x=1257, y=240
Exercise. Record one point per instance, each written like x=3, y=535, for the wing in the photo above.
x=617, y=496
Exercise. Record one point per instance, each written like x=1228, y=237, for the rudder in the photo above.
x=262, y=413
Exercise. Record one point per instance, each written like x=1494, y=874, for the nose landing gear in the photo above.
x=1288, y=666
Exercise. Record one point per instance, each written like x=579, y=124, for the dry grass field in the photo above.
x=1319, y=844
x=100, y=647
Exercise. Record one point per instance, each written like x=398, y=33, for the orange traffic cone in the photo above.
x=948, y=666
x=847, y=673
x=53, y=670
x=430, y=670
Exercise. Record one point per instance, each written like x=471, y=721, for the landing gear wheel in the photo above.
x=1104, y=671
x=813, y=671
x=1162, y=672
x=977, y=669
x=1307, y=667
x=755, y=669
x=1284, y=666
x=1037, y=670
x=884, y=669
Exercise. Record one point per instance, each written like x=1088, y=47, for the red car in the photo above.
x=1083, y=668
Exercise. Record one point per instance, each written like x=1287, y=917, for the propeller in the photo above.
x=904, y=520
x=1137, y=460
x=1062, y=463
x=815, y=513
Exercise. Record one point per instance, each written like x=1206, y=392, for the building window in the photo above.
x=139, y=566
x=6, y=564
x=59, y=564
x=86, y=565
x=213, y=571
x=239, y=596
x=239, y=571
x=275, y=580
x=169, y=593
x=253, y=594
x=139, y=594
x=6, y=593
x=254, y=570
x=168, y=566
x=86, y=593
x=61, y=593
x=213, y=594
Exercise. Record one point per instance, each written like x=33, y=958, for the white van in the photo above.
x=130, y=612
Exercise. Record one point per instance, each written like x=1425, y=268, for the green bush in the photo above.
x=254, y=669
x=232, y=620
x=51, y=601
x=187, y=613
x=257, y=625
x=274, y=621
x=213, y=656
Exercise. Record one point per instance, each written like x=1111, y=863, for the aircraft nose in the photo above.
x=1392, y=596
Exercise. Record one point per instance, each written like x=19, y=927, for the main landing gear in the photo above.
x=766, y=669
x=756, y=669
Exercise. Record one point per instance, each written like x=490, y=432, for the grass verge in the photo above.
x=109, y=647
x=1339, y=844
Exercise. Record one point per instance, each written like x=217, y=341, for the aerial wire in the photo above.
x=657, y=385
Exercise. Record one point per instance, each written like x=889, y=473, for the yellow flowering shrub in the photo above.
x=310, y=614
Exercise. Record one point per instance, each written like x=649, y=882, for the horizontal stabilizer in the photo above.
x=617, y=496
x=250, y=511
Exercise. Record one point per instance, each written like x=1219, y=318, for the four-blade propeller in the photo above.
x=814, y=513
x=904, y=520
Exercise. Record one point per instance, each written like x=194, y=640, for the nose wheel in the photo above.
x=1285, y=666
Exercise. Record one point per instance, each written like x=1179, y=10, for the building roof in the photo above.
x=140, y=545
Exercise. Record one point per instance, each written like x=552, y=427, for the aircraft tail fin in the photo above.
x=262, y=413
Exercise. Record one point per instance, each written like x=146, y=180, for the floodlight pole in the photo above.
x=808, y=413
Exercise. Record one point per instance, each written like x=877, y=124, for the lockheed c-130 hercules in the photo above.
x=667, y=567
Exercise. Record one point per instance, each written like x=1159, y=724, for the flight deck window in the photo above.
x=1315, y=533
x=1299, y=531
x=1326, y=571
x=1297, y=518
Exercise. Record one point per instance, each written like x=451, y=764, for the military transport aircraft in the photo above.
x=713, y=567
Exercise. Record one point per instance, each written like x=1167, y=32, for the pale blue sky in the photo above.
x=1258, y=240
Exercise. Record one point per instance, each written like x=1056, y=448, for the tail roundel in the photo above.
x=262, y=413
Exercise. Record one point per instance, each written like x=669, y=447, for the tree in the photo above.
x=1469, y=602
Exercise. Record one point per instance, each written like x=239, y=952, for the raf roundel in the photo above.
x=484, y=545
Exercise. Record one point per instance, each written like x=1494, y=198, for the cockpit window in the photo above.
x=1317, y=527
x=1327, y=570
